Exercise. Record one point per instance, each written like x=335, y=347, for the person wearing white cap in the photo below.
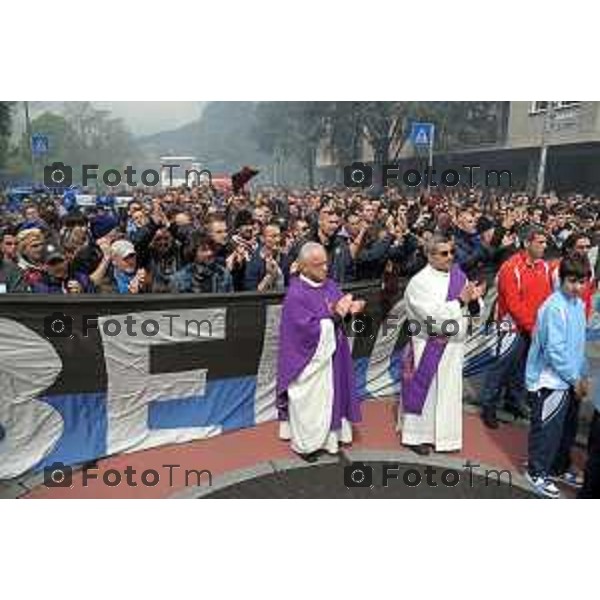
x=128, y=279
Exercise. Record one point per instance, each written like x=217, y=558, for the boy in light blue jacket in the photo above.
x=556, y=368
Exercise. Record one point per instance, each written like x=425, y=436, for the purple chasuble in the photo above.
x=300, y=330
x=416, y=382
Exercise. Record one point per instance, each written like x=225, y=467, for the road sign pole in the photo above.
x=29, y=140
x=431, y=136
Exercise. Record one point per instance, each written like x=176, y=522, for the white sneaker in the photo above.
x=543, y=486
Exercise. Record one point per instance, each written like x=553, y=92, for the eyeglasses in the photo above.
x=446, y=253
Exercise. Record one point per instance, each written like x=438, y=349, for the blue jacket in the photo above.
x=556, y=358
x=471, y=254
x=220, y=281
x=256, y=269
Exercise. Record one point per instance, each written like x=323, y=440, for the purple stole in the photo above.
x=416, y=382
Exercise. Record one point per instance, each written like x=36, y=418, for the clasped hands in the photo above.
x=347, y=305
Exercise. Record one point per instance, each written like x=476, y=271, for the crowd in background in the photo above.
x=199, y=240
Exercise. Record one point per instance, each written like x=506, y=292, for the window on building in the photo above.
x=538, y=107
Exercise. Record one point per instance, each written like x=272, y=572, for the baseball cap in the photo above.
x=53, y=253
x=122, y=248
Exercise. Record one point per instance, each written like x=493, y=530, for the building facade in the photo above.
x=570, y=129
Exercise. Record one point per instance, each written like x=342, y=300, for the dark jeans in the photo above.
x=548, y=413
x=591, y=482
x=507, y=370
x=562, y=460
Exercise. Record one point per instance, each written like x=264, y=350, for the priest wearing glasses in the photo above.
x=438, y=299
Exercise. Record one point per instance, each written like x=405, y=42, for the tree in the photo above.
x=94, y=137
x=293, y=130
x=5, y=125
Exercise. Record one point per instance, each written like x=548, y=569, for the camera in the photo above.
x=58, y=174
x=57, y=475
x=359, y=325
x=358, y=475
x=358, y=175
x=58, y=325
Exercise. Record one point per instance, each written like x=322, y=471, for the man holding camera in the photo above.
x=432, y=377
x=203, y=274
x=316, y=396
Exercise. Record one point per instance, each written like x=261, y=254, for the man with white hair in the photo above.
x=316, y=396
x=432, y=376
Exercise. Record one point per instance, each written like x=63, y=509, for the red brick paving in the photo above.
x=504, y=448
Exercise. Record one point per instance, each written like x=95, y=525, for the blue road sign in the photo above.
x=39, y=144
x=422, y=134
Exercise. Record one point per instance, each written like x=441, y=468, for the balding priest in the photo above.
x=438, y=299
x=316, y=396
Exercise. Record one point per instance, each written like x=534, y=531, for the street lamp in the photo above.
x=547, y=126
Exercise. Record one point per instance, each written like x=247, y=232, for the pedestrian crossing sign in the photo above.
x=422, y=134
x=39, y=144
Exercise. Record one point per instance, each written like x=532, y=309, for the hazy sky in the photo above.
x=140, y=117
x=150, y=117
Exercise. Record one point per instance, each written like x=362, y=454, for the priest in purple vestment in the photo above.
x=316, y=395
x=437, y=300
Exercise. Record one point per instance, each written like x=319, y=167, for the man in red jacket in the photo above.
x=524, y=282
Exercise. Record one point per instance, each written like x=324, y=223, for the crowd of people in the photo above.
x=200, y=240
